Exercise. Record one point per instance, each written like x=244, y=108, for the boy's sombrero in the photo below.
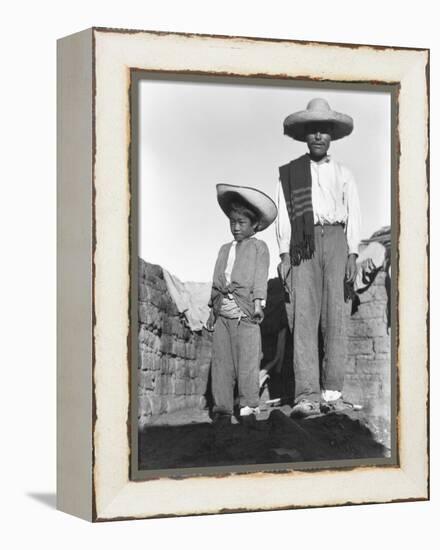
x=258, y=201
x=318, y=110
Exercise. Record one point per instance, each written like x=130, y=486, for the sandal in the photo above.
x=305, y=408
x=339, y=405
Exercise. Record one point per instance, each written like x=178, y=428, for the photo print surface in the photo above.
x=264, y=300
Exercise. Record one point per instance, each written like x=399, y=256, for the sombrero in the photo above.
x=318, y=110
x=257, y=200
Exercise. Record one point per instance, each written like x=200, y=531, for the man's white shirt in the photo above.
x=335, y=199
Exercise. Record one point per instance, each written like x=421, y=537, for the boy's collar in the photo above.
x=246, y=239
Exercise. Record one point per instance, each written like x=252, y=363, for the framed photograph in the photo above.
x=243, y=274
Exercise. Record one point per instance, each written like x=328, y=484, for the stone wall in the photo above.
x=368, y=378
x=173, y=361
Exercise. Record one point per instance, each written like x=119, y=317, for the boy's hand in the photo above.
x=258, y=315
x=211, y=321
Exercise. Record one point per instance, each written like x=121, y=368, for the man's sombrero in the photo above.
x=318, y=110
x=258, y=201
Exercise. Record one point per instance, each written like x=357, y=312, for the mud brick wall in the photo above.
x=173, y=361
x=368, y=378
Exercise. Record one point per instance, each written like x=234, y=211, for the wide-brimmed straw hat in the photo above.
x=318, y=110
x=258, y=201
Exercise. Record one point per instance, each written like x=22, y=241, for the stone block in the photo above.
x=161, y=300
x=192, y=401
x=385, y=358
x=201, y=386
x=191, y=387
x=166, y=384
x=167, y=324
x=370, y=310
x=178, y=347
x=142, y=336
x=382, y=344
x=143, y=313
x=179, y=386
x=204, y=363
x=350, y=365
x=162, y=363
x=149, y=338
x=143, y=422
x=165, y=343
x=152, y=271
x=154, y=317
x=181, y=368
x=142, y=268
x=146, y=359
x=178, y=327
x=171, y=309
x=161, y=285
x=159, y=385
x=171, y=364
x=362, y=328
x=353, y=390
x=158, y=405
x=192, y=369
x=176, y=403
x=376, y=293
x=357, y=346
x=146, y=379
x=190, y=349
x=144, y=405
x=158, y=361
x=372, y=366
x=143, y=291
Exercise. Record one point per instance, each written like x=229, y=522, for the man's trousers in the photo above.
x=316, y=299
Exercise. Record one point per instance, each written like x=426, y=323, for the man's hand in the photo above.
x=284, y=267
x=258, y=315
x=350, y=268
x=211, y=321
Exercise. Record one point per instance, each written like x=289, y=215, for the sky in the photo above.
x=193, y=135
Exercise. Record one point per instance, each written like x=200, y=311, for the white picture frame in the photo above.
x=95, y=69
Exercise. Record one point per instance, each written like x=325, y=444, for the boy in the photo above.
x=238, y=297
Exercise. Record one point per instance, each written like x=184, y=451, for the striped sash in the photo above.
x=296, y=181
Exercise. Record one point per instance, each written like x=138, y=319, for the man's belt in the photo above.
x=334, y=224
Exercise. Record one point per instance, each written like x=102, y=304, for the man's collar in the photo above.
x=325, y=159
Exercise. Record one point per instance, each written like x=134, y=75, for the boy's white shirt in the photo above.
x=335, y=199
x=230, y=265
x=230, y=262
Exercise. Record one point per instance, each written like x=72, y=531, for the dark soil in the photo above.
x=189, y=439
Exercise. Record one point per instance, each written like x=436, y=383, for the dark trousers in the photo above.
x=316, y=293
x=236, y=358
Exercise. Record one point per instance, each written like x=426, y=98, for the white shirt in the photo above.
x=334, y=198
x=230, y=265
x=231, y=261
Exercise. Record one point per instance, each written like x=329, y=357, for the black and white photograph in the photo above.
x=265, y=244
x=218, y=280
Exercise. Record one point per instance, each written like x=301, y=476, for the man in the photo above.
x=318, y=233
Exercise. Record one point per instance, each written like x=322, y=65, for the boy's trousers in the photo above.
x=316, y=293
x=235, y=357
